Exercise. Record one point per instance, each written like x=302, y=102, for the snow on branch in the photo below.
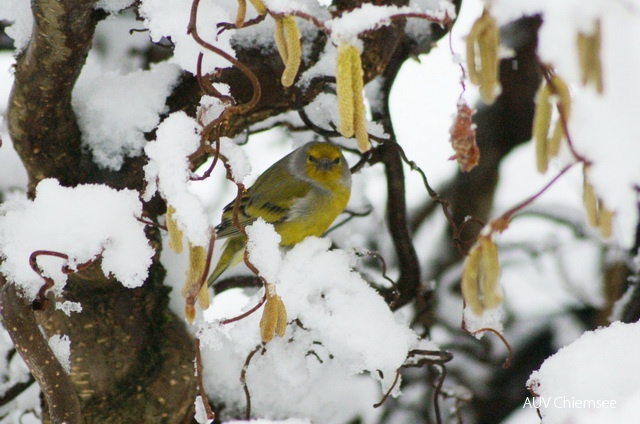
x=81, y=223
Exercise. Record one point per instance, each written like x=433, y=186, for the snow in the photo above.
x=61, y=347
x=201, y=413
x=168, y=172
x=288, y=380
x=113, y=6
x=68, y=307
x=171, y=18
x=265, y=254
x=84, y=222
x=592, y=380
x=19, y=13
x=309, y=7
x=115, y=111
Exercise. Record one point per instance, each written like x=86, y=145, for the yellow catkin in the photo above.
x=269, y=319
x=280, y=39
x=281, y=322
x=484, y=40
x=293, y=50
x=490, y=273
x=241, y=13
x=197, y=262
x=359, y=119
x=598, y=215
x=469, y=283
x=553, y=143
x=349, y=85
x=488, y=46
x=472, y=67
x=548, y=145
x=259, y=6
x=274, y=316
x=589, y=57
x=605, y=218
x=175, y=235
x=344, y=88
x=480, y=276
x=561, y=90
x=590, y=202
x=541, y=124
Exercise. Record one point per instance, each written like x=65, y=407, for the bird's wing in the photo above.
x=269, y=198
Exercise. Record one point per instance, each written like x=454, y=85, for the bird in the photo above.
x=301, y=195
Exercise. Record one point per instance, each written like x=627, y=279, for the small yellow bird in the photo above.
x=301, y=195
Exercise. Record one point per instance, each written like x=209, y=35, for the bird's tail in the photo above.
x=232, y=254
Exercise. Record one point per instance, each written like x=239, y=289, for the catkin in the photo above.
x=259, y=6
x=598, y=215
x=197, y=263
x=279, y=37
x=484, y=40
x=281, y=322
x=480, y=276
x=589, y=57
x=293, y=50
x=349, y=85
x=175, y=234
x=469, y=284
x=344, y=88
x=547, y=146
x=541, y=124
x=241, y=13
x=490, y=271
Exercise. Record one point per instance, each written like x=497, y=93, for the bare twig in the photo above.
x=203, y=394
x=243, y=379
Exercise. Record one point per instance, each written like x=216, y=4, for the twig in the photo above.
x=16, y=390
x=383, y=266
x=40, y=303
x=203, y=394
x=388, y=393
x=243, y=379
x=437, y=390
x=507, y=362
x=508, y=214
x=351, y=215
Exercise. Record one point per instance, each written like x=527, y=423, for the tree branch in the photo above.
x=20, y=322
x=41, y=120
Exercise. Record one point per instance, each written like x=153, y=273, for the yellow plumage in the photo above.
x=301, y=195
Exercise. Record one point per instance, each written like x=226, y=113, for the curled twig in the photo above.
x=315, y=128
x=257, y=89
x=388, y=393
x=41, y=302
x=243, y=378
x=437, y=390
x=383, y=266
x=507, y=362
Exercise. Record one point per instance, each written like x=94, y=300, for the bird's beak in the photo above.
x=324, y=164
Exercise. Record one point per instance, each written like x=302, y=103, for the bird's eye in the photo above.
x=311, y=159
x=336, y=161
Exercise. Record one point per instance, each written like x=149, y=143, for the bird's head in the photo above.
x=325, y=164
